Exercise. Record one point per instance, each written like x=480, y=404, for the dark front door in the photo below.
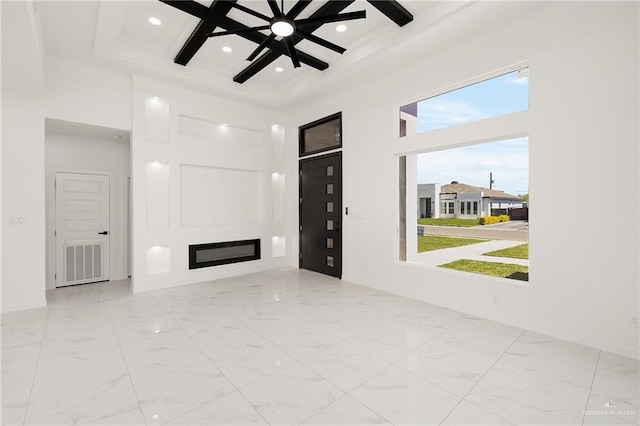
x=321, y=214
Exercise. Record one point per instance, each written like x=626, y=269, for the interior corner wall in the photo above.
x=583, y=136
x=205, y=169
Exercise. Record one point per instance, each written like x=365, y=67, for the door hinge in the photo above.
x=55, y=233
x=300, y=228
x=300, y=200
x=55, y=276
x=300, y=172
x=300, y=255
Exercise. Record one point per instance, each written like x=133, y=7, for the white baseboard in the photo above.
x=13, y=308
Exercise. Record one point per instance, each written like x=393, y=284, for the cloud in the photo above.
x=518, y=80
x=438, y=114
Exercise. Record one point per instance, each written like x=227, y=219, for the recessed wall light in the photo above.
x=279, y=69
x=341, y=28
x=227, y=49
x=155, y=21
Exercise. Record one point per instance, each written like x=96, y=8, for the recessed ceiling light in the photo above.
x=279, y=69
x=341, y=28
x=155, y=21
x=227, y=49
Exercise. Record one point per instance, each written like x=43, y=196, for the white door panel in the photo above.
x=82, y=228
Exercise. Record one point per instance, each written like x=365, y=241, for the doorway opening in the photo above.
x=88, y=207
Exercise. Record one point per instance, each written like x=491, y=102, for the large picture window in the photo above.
x=469, y=198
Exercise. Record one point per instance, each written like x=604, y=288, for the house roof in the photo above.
x=457, y=188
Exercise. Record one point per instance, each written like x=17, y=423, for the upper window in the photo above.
x=500, y=95
x=321, y=135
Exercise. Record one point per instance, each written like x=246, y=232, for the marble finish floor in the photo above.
x=292, y=347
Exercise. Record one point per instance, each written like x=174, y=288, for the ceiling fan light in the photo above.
x=282, y=28
x=341, y=28
x=154, y=21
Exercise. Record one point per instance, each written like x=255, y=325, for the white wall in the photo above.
x=23, y=244
x=212, y=170
x=583, y=129
x=74, y=93
x=74, y=153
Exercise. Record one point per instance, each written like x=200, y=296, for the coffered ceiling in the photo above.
x=118, y=34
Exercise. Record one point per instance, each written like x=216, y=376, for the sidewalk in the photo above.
x=472, y=252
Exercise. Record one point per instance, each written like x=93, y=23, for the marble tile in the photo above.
x=346, y=411
x=232, y=409
x=172, y=395
x=160, y=353
x=67, y=390
x=393, y=340
x=524, y=402
x=472, y=415
x=303, y=340
x=22, y=333
x=402, y=398
x=118, y=408
x=619, y=367
x=566, y=367
x=56, y=363
x=615, y=396
x=15, y=401
x=481, y=340
x=19, y=365
x=452, y=372
x=24, y=316
x=345, y=365
x=245, y=362
x=291, y=396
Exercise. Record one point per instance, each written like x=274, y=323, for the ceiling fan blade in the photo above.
x=273, y=4
x=190, y=7
x=291, y=50
x=261, y=47
x=251, y=12
x=298, y=8
x=320, y=41
x=243, y=30
x=360, y=14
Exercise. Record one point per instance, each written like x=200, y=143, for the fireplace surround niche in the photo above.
x=214, y=254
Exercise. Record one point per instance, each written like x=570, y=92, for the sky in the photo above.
x=508, y=160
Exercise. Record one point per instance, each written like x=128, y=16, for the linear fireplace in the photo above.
x=214, y=254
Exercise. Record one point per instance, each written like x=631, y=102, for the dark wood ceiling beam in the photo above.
x=275, y=46
x=215, y=14
x=329, y=8
x=393, y=10
x=189, y=6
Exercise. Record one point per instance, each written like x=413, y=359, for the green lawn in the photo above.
x=496, y=269
x=437, y=242
x=448, y=222
x=517, y=252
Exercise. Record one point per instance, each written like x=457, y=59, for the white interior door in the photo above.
x=82, y=228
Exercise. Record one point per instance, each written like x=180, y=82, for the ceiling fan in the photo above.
x=286, y=26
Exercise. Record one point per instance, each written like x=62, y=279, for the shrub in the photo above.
x=489, y=220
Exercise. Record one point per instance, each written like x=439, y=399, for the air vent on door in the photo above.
x=83, y=262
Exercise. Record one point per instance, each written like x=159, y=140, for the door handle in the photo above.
x=103, y=233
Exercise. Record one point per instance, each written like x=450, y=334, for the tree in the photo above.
x=454, y=182
x=525, y=197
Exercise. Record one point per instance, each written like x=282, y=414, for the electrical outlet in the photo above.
x=634, y=322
